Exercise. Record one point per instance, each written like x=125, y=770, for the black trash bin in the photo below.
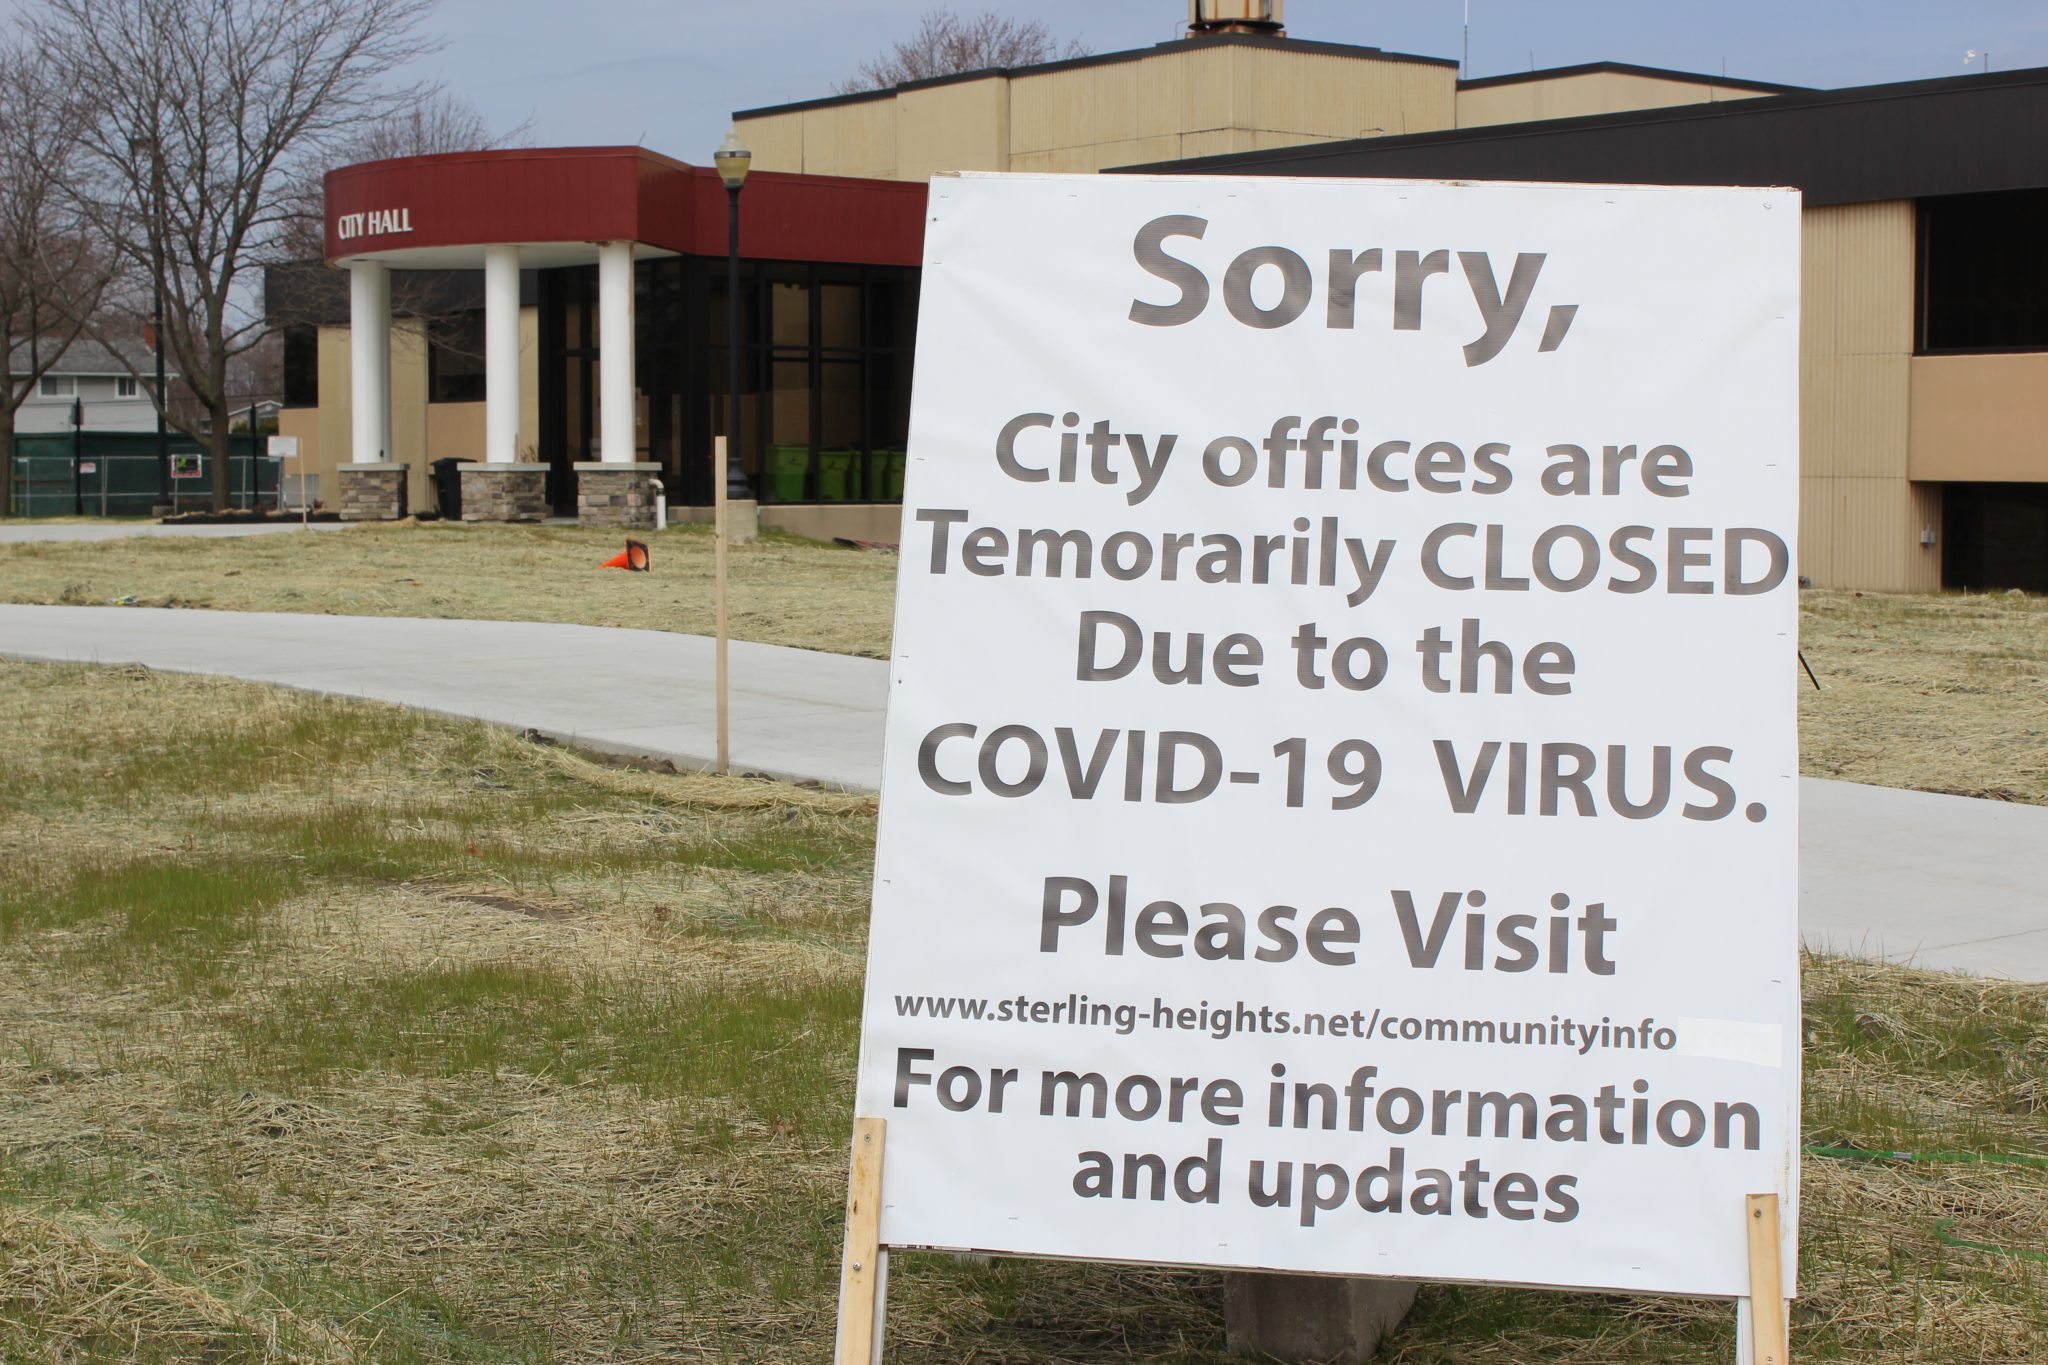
x=448, y=487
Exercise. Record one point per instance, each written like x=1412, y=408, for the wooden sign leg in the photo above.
x=862, y=1275
x=1764, y=1333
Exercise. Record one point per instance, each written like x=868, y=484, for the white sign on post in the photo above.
x=1339, y=808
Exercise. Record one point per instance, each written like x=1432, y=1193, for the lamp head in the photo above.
x=732, y=160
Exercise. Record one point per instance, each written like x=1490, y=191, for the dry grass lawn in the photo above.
x=1941, y=692
x=785, y=590
x=334, y=1033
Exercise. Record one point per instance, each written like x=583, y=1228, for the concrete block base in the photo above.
x=742, y=521
x=619, y=496
x=504, y=492
x=1319, y=1318
x=371, y=492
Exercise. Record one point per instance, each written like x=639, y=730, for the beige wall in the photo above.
x=857, y=138
x=1981, y=418
x=409, y=409
x=335, y=426
x=1860, y=516
x=1175, y=103
x=1592, y=92
x=881, y=521
x=1156, y=106
x=420, y=431
x=956, y=127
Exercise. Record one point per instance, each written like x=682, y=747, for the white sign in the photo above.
x=282, y=447
x=1339, y=808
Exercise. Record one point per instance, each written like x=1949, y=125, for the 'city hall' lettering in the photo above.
x=373, y=223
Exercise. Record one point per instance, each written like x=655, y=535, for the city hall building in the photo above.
x=556, y=318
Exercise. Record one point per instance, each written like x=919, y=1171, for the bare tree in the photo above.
x=946, y=44
x=303, y=292
x=433, y=122
x=202, y=116
x=53, y=269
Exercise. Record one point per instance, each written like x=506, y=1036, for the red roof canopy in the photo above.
x=440, y=211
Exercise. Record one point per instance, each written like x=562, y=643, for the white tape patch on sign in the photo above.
x=1339, y=807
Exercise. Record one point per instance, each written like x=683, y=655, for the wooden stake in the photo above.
x=860, y=1275
x=718, y=582
x=1768, y=1345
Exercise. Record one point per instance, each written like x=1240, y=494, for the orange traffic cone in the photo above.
x=633, y=558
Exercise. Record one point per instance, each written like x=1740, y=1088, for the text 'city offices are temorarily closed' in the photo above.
x=1339, y=808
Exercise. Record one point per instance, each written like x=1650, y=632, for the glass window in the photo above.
x=789, y=312
x=57, y=386
x=892, y=308
x=124, y=386
x=888, y=418
x=1983, y=276
x=839, y=316
x=842, y=459
x=301, y=367
x=455, y=359
x=825, y=355
x=576, y=435
x=789, y=422
x=715, y=316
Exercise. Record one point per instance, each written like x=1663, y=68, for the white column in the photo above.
x=501, y=354
x=369, y=344
x=615, y=353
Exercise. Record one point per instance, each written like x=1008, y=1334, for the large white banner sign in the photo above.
x=1339, y=808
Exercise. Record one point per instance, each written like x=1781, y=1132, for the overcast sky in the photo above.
x=668, y=73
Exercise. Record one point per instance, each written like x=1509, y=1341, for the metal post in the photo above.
x=163, y=435
x=253, y=482
x=77, y=457
x=735, y=478
x=719, y=552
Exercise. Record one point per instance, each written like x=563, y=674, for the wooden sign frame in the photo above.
x=1760, y=1338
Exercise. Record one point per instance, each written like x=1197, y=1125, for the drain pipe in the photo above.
x=660, y=505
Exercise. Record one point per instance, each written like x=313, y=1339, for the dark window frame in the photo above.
x=688, y=363
x=1966, y=244
x=464, y=383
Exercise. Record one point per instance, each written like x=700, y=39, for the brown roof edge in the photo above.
x=1552, y=128
x=1630, y=69
x=1103, y=59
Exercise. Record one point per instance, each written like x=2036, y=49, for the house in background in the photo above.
x=91, y=374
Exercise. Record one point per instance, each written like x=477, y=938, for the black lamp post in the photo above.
x=137, y=146
x=732, y=161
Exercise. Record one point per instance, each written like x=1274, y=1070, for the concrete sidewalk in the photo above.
x=796, y=713
x=1939, y=881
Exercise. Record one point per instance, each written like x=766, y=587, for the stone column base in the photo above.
x=504, y=492
x=620, y=496
x=371, y=492
x=1311, y=1317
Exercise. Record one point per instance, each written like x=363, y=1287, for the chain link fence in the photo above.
x=114, y=474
